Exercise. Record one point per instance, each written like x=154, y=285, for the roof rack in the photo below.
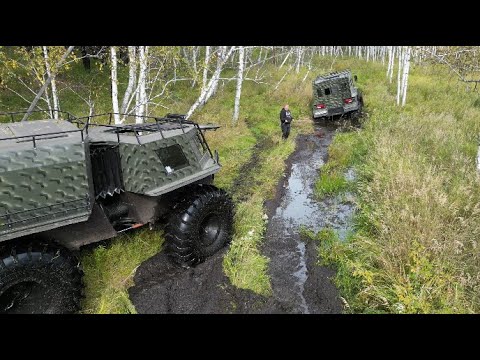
x=148, y=124
x=332, y=75
x=11, y=116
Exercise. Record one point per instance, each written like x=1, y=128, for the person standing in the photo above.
x=285, y=121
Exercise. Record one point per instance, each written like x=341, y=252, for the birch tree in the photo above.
x=406, y=68
x=241, y=67
x=47, y=82
x=391, y=59
x=142, y=78
x=23, y=70
x=195, y=51
x=399, y=78
x=208, y=90
x=220, y=62
x=132, y=77
x=113, y=66
x=53, y=85
x=299, y=58
x=286, y=58
x=205, y=67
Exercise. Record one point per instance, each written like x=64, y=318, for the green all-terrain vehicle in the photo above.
x=72, y=182
x=335, y=94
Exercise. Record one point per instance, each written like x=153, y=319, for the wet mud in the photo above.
x=299, y=284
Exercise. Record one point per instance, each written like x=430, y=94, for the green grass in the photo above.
x=346, y=150
x=418, y=223
x=330, y=182
x=415, y=246
x=109, y=271
x=109, y=268
x=245, y=266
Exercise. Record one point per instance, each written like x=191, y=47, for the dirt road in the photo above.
x=299, y=284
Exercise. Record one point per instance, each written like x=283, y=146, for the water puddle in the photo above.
x=289, y=268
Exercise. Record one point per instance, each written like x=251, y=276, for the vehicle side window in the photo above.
x=328, y=91
x=319, y=93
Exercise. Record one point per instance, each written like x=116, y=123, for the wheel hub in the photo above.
x=210, y=229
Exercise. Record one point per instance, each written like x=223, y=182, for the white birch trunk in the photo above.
x=238, y=93
x=405, y=76
x=53, y=84
x=137, y=99
x=286, y=57
x=260, y=54
x=194, y=61
x=299, y=55
x=113, y=65
x=400, y=63
x=389, y=60
x=220, y=62
x=205, y=67
x=46, y=83
x=208, y=90
x=142, y=79
x=393, y=63
x=48, y=101
x=267, y=52
x=132, y=77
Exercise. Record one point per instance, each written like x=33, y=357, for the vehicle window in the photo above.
x=173, y=157
x=319, y=93
x=328, y=91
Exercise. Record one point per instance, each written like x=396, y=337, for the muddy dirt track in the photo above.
x=299, y=284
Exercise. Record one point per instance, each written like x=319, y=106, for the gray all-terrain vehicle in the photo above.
x=68, y=183
x=336, y=94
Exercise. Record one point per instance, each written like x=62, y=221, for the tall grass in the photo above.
x=415, y=249
x=109, y=268
x=244, y=264
x=109, y=271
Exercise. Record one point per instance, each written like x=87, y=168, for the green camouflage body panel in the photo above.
x=143, y=170
x=46, y=179
x=331, y=90
x=43, y=186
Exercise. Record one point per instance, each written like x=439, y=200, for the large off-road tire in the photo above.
x=200, y=225
x=39, y=278
x=357, y=114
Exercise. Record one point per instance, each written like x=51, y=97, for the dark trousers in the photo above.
x=285, y=130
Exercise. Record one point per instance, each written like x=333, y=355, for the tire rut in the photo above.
x=299, y=284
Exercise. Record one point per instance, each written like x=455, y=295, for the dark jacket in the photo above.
x=285, y=116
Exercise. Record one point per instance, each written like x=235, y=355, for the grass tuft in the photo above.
x=415, y=248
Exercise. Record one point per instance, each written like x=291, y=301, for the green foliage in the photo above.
x=109, y=268
x=330, y=182
x=244, y=264
x=109, y=271
x=415, y=247
x=346, y=150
